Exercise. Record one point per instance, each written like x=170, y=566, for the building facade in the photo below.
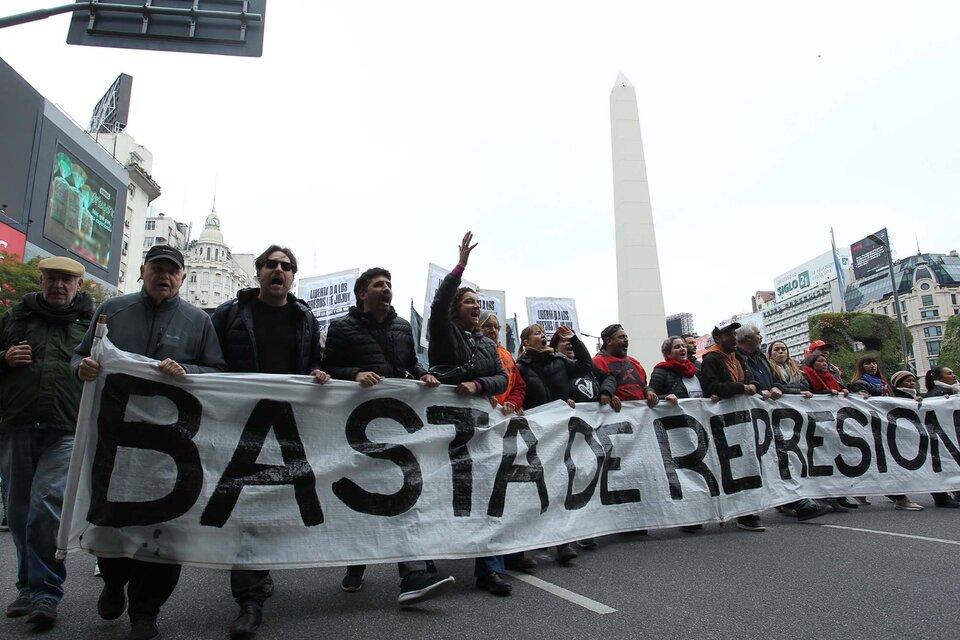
x=929, y=288
x=680, y=324
x=162, y=229
x=142, y=190
x=213, y=273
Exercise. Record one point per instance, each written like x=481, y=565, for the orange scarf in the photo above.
x=510, y=367
x=732, y=363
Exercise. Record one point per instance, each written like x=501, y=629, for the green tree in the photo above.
x=950, y=351
x=857, y=334
x=21, y=278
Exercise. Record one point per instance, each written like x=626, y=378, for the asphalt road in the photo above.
x=795, y=580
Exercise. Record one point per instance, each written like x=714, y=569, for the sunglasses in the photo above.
x=272, y=264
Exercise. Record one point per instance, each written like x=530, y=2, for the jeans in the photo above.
x=488, y=565
x=34, y=464
x=403, y=568
x=149, y=584
x=251, y=585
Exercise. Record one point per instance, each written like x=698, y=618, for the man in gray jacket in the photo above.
x=156, y=323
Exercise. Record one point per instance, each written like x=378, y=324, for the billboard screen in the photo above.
x=12, y=242
x=809, y=275
x=81, y=206
x=870, y=256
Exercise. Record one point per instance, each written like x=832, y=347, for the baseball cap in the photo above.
x=819, y=344
x=60, y=263
x=164, y=252
x=725, y=326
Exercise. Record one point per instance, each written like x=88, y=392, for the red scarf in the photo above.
x=684, y=367
x=821, y=381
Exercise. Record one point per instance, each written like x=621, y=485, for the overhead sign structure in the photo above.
x=113, y=111
x=870, y=255
x=809, y=275
x=224, y=27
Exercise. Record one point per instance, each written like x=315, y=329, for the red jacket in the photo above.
x=629, y=374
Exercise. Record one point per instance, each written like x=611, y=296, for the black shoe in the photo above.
x=431, y=566
x=112, y=602
x=524, y=564
x=588, y=543
x=810, y=510
x=565, y=553
x=835, y=505
x=692, y=528
x=248, y=621
x=945, y=501
x=144, y=629
x=750, y=523
x=43, y=613
x=493, y=583
x=352, y=582
x=19, y=607
x=420, y=585
x=847, y=502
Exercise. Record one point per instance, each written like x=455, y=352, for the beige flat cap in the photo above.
x=59, y=263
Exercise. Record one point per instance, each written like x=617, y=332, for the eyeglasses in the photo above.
x=272, y=264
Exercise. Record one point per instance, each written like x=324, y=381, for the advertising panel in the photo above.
x=870, y=256
x=809, y=275
x=551, y=313
x=329, y=296
x=12, y=242
x=80, y=209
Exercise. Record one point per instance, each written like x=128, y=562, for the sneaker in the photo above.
x=352, y=582
x=565, y=553
x=419, y=586
x=587, y=543
x=144, y=629
x=245, y=625
x=4, y=526
x=863, y=500
x=835, y=505
x=750, y=523
x=524, y=564
x=43, y=613
x=19, y=607
x=848, y=503
x=112, y=602
x=493, y=583
x=788, y=509
x=809, y=510
x=906, y=504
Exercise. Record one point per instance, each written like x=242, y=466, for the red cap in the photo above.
x=819, y=344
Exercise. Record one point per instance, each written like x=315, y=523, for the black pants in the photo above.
x=403, y=568
x=149, y=584
x=251, y=585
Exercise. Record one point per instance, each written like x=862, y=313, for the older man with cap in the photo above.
x=157, y=323
x=725, y=374
x=39, y=397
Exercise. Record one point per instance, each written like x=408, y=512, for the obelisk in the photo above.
x=639, y=293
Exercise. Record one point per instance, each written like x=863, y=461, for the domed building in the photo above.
x=214, y=273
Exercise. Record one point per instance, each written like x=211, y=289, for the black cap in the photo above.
x=164, y=252
x=725, y=326
x=608, y=332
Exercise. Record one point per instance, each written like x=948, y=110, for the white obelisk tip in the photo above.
x=622, y=80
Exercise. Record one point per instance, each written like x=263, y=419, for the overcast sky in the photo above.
x=376, y=133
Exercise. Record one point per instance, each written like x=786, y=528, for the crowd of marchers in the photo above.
x=45, y=356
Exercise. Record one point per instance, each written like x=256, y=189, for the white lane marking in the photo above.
x=566, y=594
x=887, y=533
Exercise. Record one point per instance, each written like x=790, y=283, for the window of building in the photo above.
x=933, y=362
x=925, y=286
x=126, y=247
x=144, y=256
x=953, y=298
x=205, y=277
x=193, y=277
x=932, y=332
x=122, y=274
x=208, y=253
x=151, y=225
x=148, y=241
x=132, y=189
x=926, y=300
x=933, y=347
x=930, y=313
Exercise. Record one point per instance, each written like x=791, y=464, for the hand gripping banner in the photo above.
x=271, y=471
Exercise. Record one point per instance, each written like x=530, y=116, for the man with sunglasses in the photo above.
x=266, y=330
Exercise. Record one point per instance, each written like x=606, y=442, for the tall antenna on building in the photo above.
x=917, y=240
x=213, y=209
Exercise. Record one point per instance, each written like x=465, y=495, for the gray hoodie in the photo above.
x=173, y=329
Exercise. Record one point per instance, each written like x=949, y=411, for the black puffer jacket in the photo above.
x=716, y=379
x=358, y=343
x=548, y=376
x=665, y=381
x=240, y=346
x=451, y=347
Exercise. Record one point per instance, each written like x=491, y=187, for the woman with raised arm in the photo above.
x=461, y=355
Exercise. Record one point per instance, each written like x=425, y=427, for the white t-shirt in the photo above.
x=694, y=390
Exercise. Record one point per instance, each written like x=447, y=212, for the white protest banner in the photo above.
x=329, y=296
x=551, y=313
x=276, y=471
x=496, y=303
x=435, y=275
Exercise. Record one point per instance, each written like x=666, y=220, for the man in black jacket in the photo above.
x=266, y=330
x=369, y=344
